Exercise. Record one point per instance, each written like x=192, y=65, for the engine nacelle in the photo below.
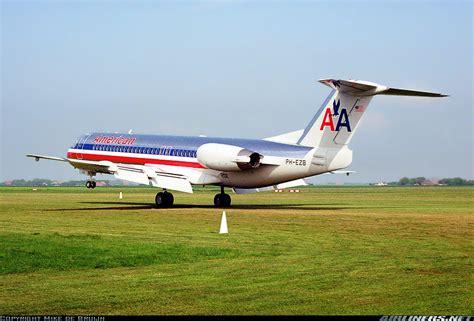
x=224, y=157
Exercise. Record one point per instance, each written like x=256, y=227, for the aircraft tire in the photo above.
x=169, y=199
x=93, y=184
x=222, y=200
x=88, y=184
x=160, y=199
x=164, y=199
x=226, y=200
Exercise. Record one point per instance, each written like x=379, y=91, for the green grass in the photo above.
x=335, y=250
x=56, y=252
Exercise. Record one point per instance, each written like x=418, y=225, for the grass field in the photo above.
x=335, y=250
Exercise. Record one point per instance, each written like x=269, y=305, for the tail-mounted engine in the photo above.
x=224, y=157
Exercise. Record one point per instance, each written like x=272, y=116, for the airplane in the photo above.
x=245, y=165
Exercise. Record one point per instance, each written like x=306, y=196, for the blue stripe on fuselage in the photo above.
x=266, y=148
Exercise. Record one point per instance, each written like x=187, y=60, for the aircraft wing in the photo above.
x=298, y=182
x=339, y=172
x=38, y=157
x=141, y=174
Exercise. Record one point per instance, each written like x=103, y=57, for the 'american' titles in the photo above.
x=115, y=140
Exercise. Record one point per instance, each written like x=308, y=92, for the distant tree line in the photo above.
x=404, y=181
x=456, y=181
x=38, y=182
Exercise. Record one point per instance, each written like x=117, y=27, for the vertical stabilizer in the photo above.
x=340, y=114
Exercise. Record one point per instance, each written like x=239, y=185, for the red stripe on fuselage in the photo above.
x=133, y=160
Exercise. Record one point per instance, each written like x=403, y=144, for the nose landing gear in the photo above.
x=91, y=184
x=222, y=199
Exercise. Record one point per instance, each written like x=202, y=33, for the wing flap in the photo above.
x=130, y=176
x=181, y=184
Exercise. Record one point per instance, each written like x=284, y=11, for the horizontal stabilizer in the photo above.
x=405, y=92
x=366, y=88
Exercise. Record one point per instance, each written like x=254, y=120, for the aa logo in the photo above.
x=339, y=115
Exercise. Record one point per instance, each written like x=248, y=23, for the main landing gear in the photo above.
x=222, y=199
x=90, y=184
x=164, y=199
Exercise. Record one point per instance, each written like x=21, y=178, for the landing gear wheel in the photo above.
x=90, y=184
x=169, y=199
x=160, y=199
x=164, y=199
x=227, y=200
x=222, y=200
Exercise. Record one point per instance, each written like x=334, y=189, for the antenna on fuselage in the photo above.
x=130, y=131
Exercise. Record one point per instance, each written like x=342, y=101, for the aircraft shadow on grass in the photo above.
x=147, y=206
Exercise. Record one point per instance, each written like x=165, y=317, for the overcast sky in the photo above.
x=236, y=69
